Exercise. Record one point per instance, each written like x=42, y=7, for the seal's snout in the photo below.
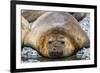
x=56, y=52
x=55, y=48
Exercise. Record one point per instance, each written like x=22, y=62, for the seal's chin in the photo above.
x=55, y=54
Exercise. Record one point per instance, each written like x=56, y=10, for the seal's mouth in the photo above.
x=56, y=54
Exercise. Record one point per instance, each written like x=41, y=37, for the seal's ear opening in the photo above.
x=79, y=16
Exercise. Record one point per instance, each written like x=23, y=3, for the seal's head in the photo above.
x=56, y=44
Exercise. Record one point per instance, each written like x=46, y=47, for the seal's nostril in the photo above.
x=54, y=49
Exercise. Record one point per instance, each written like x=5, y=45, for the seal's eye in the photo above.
x=62, y=42
x=50, y=42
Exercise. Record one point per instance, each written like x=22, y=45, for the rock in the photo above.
x=29, y=53
x=85, y=52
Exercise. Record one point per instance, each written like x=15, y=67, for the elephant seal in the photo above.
x=56, y=35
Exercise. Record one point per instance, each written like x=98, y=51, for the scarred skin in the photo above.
x=56, y=35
